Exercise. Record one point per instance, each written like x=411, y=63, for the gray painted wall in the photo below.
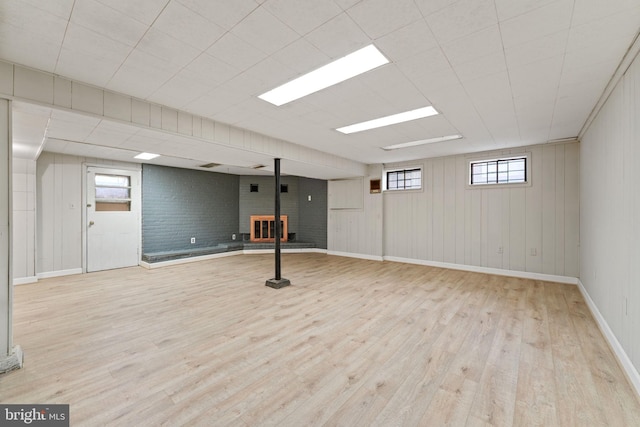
x=178, y=204
x=312, y=215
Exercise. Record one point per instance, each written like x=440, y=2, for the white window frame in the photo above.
x=528, y=167
x=385, y=172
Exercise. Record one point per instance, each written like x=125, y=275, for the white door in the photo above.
x=112, y=219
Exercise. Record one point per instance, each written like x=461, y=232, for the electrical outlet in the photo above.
x=193, y=240
x=233, y=236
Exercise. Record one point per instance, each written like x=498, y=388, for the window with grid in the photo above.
x=499, y=171
x=113, y=193
x=405, y=179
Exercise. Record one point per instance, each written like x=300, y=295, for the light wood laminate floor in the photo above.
x=350, y=343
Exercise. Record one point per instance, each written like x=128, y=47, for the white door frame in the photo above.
x=136, y=202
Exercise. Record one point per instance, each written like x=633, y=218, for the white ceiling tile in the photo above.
x=475, y=46
x=338, y=37
x=236, y=52
x=543, y=21
x=480, y=67
x=180, y=90
x=264, y=31
x=30, y=36
x=595, y=10
x=380, y=17
x=427, y=7
x=90, y=57
x=613, y=32
x=537, y=79
x=302, y=15
x=461, y=19
x=186, y=25
x=167, y=48
x=108, y=22
x=209, y=71
x=221, y=12
x=508, y=9
x=494, y=88
x=301, y=56
x=538, y=49
x=141, y=75
x=145, y=11
x=59, y=8
x=407, y=41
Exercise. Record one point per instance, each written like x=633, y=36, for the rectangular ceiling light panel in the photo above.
x=146, y=156
x=393, y=119
x=422, y=141
x=333, y=73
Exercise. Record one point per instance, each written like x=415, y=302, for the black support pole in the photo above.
x=278, y=227
x=277, y=282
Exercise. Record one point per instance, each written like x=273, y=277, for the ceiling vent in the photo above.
x=258, y=166
x=210, y=165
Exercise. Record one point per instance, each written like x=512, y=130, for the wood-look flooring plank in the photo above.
x=350, y=342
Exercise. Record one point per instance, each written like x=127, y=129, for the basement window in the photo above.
x=113, y=193
x=500, y=171
x=403, y=179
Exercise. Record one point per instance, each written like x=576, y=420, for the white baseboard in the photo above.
x=151, y=265
x=354, y=255
x=627, y=366
x=50, y=274
x=25, y=280
x=487, y=270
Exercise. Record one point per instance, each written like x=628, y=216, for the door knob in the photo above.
x=91, y=223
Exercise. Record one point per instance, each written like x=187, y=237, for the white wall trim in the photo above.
x=623, y=359
x=488, y=270
x=354, y=255
x=25, y=280
x=50, y=274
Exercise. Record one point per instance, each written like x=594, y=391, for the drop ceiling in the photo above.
x=502, y=73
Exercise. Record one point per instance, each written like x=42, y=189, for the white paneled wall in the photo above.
x=610, y=213
x=24, y=211
x=530, y=229
x=355, y=231
x=59, y=212
x=526, y=229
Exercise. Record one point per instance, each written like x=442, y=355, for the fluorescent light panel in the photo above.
x=146, y=156
x=422, y=141
x=333, y=73
x=393, y=119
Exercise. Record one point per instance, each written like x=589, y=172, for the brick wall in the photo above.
x=312, y=215
x=262, y=202
x=178, y=204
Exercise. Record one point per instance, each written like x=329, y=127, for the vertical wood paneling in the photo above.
x=494, y=228
x=548, y=252
x=475, y=222
x=460, y=214
x=449, y=222
x=517, y=229
x=533, y=215
x=572, y=209
x=559, y=211
x=505, y=244
x=609, y=210
x=438, y=202
x=450, y=212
